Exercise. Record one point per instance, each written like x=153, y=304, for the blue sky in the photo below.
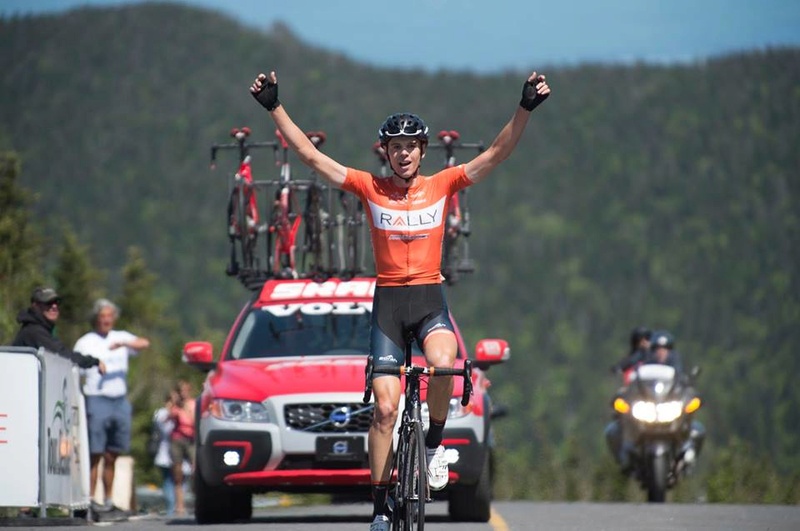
x=492, y=36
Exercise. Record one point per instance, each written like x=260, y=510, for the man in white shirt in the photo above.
x=108, y=410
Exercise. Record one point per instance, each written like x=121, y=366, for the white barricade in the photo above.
x=44, y=443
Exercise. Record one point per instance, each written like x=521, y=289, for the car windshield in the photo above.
x=319, y=329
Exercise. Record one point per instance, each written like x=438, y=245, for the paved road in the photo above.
x=522, y=516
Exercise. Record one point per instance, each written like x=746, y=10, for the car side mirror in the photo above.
x=498, y=411
x=199, y=354
x=490, y=352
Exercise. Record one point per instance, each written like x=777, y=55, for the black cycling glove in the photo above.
x=268, y=96
x=530, y=98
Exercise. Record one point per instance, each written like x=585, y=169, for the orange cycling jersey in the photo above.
x=407, y=225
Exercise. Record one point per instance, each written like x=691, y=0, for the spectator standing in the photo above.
x=182, y=441
x=108, y=410
x=37, y=329
x=37, y=325
x=162, y=421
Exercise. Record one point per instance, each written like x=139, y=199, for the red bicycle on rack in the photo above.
x=333, y=232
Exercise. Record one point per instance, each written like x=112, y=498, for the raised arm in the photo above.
x=534, y=91
x=265, y=90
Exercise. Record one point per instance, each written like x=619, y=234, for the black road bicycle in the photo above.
x=410, y=463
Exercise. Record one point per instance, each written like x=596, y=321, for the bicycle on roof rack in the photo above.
x=351, y=231
x=243, y=214
x=455, y=249
x=323, y=252
x=409, y=464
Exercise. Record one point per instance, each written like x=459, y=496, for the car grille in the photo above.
x=329, y=418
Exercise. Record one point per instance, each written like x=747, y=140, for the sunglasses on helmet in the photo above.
x=405, y=131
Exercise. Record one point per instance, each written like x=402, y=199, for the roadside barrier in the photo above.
x=44, y=443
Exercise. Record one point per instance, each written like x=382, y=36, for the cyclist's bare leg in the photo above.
x=440, y=351
x=387, y=392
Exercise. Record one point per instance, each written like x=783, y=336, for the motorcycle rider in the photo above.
x=662, y=351
x=639, y=351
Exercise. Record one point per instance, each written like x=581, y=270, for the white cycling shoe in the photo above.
x=438, y=468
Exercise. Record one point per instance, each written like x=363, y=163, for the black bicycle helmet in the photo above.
x=660, y=339
x=402, y=124
x=637, y=334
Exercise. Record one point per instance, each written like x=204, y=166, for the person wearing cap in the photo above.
x=37, y=325
x=108, y=410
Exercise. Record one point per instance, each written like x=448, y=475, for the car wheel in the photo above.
x=215, y=505
x=473, y=503
x=241, y=505
x=209, y=501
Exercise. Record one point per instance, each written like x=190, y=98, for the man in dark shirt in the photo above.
x=37, y=323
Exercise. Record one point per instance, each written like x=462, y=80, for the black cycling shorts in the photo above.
x=400, y=311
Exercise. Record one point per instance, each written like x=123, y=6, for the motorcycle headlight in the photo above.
x=239, y=411
x=657, y=413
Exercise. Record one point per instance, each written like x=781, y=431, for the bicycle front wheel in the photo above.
x=247, y=240
x=415, y=481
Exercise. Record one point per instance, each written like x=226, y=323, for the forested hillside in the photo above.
x=640, y=194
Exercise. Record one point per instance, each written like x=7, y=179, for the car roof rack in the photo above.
x=284, y=228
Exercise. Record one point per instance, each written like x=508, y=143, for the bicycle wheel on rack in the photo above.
x=414, y=484
x=450, y=258
x=246, y=238
x=312, y=245
x=353, y=238
x=351, y=249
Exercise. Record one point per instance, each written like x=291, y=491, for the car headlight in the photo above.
x=454, y=409
x=657, y=413
x=239, y=411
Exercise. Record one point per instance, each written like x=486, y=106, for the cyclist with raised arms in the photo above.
x=407, y=217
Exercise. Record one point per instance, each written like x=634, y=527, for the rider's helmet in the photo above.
x=403, y=124
x=637, y=334
x=662, y=339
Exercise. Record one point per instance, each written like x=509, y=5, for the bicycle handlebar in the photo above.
x=242, y=146
x=417, y=371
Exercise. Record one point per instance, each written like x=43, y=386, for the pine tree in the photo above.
x=152, y=372
x=20, y=247
x=77, y=283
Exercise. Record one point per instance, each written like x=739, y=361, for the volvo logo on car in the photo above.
x=340, y=416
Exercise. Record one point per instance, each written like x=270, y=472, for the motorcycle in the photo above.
x=654, y=435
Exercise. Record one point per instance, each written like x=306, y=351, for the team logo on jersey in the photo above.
x=407, y=220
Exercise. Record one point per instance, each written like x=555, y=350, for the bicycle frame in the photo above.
x=411, y=493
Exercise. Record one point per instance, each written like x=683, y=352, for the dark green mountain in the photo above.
x=640, y=194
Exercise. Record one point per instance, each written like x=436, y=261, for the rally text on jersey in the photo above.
x=390, y=219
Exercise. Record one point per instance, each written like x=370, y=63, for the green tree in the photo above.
x=154, y=371
x=78, y=284
x=20, y=247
